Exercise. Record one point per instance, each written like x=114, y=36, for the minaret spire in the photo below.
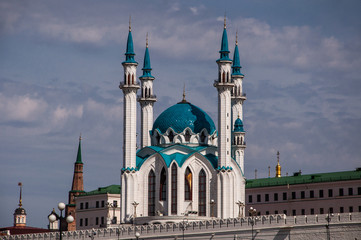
x=130, y=23
x=278, y=166
x=20, y=198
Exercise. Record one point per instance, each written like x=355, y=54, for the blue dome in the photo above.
x=238, y=125
x=183, y=115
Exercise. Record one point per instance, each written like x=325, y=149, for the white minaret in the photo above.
x=238, y=96
x=146, y=99
x=224, y=85
x=238, y=143
x=129, y=171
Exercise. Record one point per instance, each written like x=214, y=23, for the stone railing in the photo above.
x=199, y=227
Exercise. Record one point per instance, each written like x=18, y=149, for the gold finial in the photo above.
x=20, y=199
x=130, y=23
x=184, y=93
x=278, y=167
x=225, y=25
x=80, y=137
x=146, y=41
x=237, y=38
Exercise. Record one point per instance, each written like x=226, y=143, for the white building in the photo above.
x=99, y=208
x=185, y=167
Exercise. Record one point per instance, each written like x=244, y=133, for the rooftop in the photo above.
x=112, y=189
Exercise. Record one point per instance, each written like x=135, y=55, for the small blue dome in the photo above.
x=238, y=125
x=183, y=115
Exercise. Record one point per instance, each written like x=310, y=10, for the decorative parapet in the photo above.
x=207, y=227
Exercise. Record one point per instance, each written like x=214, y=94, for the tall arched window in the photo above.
x=151, y=193
x=223, y=77
x=188, y=185
x=227, y=77
x=203, y=137
x=163, y=186
x=187, y=136
x=170, y=136
x=132, y=78
x=202, y=194
x=174, y=189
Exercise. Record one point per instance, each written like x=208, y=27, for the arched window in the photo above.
x=228, y=77
x=163, y=186
x=157, y=137
x=151, y=193
x=202, y=194
x=128, y=78
x=148, y=92
x=188, y=185
x=174, y=189
x=170, y=136
x=187, y=136
x=223, y=77
x=219, y=77
x=132, y=78
x=203, y=137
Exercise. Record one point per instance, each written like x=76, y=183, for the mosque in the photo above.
x=186, y=167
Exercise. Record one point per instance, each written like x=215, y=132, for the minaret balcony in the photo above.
x=243, y=145
x=241, y=96
x=149, y=98
x=122, y=85
x=223, y=84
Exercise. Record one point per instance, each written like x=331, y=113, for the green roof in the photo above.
x=112, y=189
x=305, y=179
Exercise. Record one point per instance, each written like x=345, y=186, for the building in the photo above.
x=99, y=208
x=310, y=194
x=185, y=167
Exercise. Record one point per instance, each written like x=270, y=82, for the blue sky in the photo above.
x=60, y=67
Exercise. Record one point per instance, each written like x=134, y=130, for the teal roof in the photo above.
x=305, y=179
x=178, y=157
x=236, y=67
x=112, y=189
x=183, y=115
x=224, y=47
x=78, y=157
x=146, y=65
x=238, y=125
x=129, y=55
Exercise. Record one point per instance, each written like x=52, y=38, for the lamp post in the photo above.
x=135, y=204
x=184, y=225
x=253, y=212
x=240, y=206
x=328, y=219
x=137, y=235
x=212, y=203
x=53, y=218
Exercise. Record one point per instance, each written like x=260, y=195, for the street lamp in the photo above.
x=240, y=206
x=328, y=219
x=53, y=218
x=184, y=225
x=253, y=212
x=137, y=235
x=212, y=203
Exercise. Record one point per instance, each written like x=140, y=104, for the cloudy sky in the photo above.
x=60, y=67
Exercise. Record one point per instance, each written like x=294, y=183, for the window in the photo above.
x=294, y=212
x=320, y=193
x=81, y=222
x=81, y=205
x=350, y=191
x=276, y=212
x=350, y=209
x=266, y=197
x=258, y=197
x=293, y=195
x=103, y=203
x=330, y=210
x=275, y=197
x=303, y=212
x=341, y=210
x=330, y=193
x=86, y=205
x=188, y=185
x=86, y=222
x=163, y=186
x=285, y=212
x=267, y=212
x=202, y=196
x=285, y=196
x=359, y=208
x=97, y=204
x=321, y=211
x=102, y=221
x=302, y=194
x=115, y=203
x=312, y=194
x=114, y=220
x=250, y=199
x=97, y=221
x=151, y=193
x=340, y=192
x=170, y=136
x=312, y=211
x=359, y=190
x=187, y=136
x=174, y=189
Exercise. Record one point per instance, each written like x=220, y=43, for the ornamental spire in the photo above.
x=236, y=67
x=78, y=157
x=130, y=23
x=129, y=54
x=224, y=52
x=278, y=167
x=146, y=65
x=20, y=198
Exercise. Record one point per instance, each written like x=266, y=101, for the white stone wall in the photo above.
x=146, y=123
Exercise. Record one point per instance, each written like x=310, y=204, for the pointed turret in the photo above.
x=77, y=187
x=224, y=52
x=236, y=67
x=129, y=54
x=146, y=65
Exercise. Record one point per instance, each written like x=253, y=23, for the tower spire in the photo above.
x=278, y=166
x=225, y=24
x=224, y=52
x=236, y=67
x=129, y=54
x=130, y=23
x=20, y=198
x=147, y=69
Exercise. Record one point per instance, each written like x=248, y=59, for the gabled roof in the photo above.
x=305, y=179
